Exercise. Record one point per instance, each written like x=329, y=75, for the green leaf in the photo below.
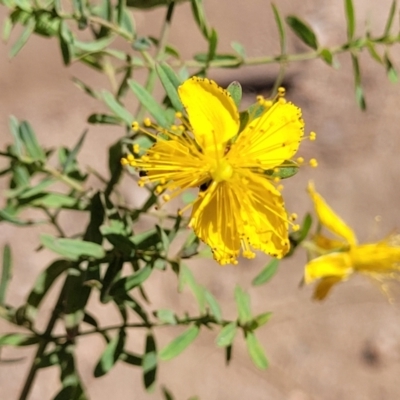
x=200, y=17
x=267, y=273
x=130, y=358
x=260, y=320
x=327, y=56
x=227, y=335
x=286, y=170
x=21, y=41
x=186, y=277
x=17, y=339
x=71, y=159
x=165, y=72
x=359, y=92
x=55, y=200
x=303, y=31
x=167, y=394
x=5, y=273
x=235, y=90
x=180, y=343
x=66, y=40
x=281, y=28
x=351, y=20
x=166, y=316
x=87, y=89
x=212, y=44
x=14, y=128
x=72, y=248
x=215, y=309
x=111, y=354
x=117, y=108
x=151, y=105
x=144, y=4
x=242, y=300
x=7, y=28
x=42, y=285
x=390, y=19
x=372, y=51
x=95, y=46
x=390, y=70
x=149, y=363
x=126, y=284
x=255, y=350
x=30, y=142
x=239, y=48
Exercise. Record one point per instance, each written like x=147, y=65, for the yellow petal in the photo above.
x=329, y=219
x=264, y=216
x=272, y=138
x=212, y=113
x=324, y=286
x=214, y=220
x=376, y=258
x=333, y=264
x=327, y=244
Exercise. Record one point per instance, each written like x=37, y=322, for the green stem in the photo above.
x=58, y=175
x=46, y=339
x=151, y=79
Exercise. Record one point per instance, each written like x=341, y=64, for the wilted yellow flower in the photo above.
x=343, y=256
x=238, y=208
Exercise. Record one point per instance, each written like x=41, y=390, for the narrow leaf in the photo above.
x=21, y=41
x=359, y=92
x=72, y=248
x=111, y=354
x=227, y=335
x=256, y=352
x=390, y=19
x=17, y=339
x=149, y=363
x=235, y=90
x=151, y=105
x=180, y=343
x=5, y=273
x=303, y=31
x=215, y=308
x=169, y=86
x=267, y=273
x=350, y=17
x=243, y=305
x=117, y=108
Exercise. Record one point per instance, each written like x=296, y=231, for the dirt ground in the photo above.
x=348, y=347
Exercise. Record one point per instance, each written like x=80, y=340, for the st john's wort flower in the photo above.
x=239, y=208
x=342, y=257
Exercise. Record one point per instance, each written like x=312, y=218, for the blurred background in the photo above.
x=347, y=347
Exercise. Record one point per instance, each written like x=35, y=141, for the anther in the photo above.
x=293, y=217
x=281, y=91
x=166, y=197
x=159, y=189
x=135, y=126
x=130, y=158
x=295, y=228
x=260, y=100
x=313, y=136
x=124, y=161
x=300, y=160
x=147, y=122
x=136, y=148
x=313, y=163
x=268, y=103
x=178, y=115
x=282, y=100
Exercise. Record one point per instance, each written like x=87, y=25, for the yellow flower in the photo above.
x=342, y=257
x=238, y=208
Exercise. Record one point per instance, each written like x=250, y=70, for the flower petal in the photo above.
x=324, y=286
x=329, y=219
x=333, y=264
x=265, y=221
x=212, y=113
x=375, y=258
x=214, y=220
x=272, y=138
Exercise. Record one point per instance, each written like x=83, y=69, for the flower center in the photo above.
x=222, y=171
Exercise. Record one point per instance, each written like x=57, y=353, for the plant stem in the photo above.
x=46, y=339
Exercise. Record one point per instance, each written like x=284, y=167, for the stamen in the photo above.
x=313, y=136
